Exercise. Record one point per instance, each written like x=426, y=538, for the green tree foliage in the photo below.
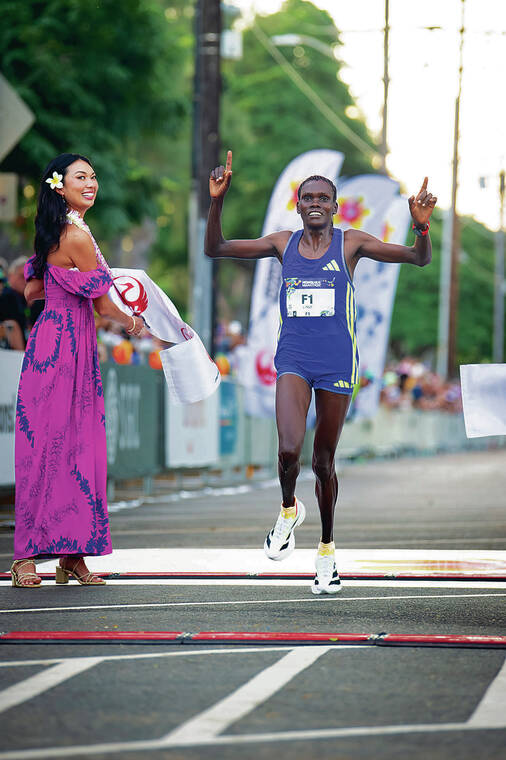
x=415, y=315
x=103, y=79
x=476, y=294
x=414, y=329
x=114, y=81
x=268, y=121
x=171, y=162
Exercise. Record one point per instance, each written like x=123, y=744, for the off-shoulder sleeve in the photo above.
x=89, y=284
x=28, y=270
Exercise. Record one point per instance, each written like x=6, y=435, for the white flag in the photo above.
x=484, y=399
x=375, y=282
x=190, y=373
x=256, y=360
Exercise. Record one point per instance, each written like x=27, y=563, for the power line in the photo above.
x=478, y=269
x=313, y=96
x=447, y=30
x=479, y=229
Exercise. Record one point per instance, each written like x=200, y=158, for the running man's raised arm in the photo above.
x=215, y=245
x=360, y=244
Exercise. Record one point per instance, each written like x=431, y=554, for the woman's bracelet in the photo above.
x=130, y=331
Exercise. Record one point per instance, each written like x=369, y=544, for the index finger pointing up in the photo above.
x=229, y=161
x=424, y=184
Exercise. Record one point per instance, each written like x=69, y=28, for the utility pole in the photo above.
x=205, y=155
x=499, y=283
x=455, y=228
x=386, y=82
x=444, y=291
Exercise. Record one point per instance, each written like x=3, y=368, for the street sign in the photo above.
x=15, y=118
x=231, y=44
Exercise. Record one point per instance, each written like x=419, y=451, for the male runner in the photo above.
x=317, y=346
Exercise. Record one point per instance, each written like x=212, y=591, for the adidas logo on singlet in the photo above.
x=332, y=265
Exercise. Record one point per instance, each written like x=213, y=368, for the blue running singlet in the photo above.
x=318, y=337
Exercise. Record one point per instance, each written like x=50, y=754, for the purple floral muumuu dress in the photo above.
x=60, y=456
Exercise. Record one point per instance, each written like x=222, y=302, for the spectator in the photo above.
x=410, y=384
x=11, y=336
x=13, y=306
x=3, y=273
x=12, y=300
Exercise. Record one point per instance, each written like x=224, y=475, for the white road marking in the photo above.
x=44, y=753
x=41, y=682
x=205, y=492
x=217, y=603
x=85, y=750
x=305, y=583
x=488, y=715
x=246, y=698
x=178, y=653
x=491, y=712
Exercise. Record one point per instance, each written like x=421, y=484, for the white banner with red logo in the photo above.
x=190, y=373
x=371, y=203
x=256, y=360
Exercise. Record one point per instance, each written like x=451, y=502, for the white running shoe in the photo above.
x=326, y=580
x=280, y=542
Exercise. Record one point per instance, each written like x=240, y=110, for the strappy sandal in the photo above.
x=88, y=579
x=19, y=578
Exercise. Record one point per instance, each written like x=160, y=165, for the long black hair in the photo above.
x=51, y=211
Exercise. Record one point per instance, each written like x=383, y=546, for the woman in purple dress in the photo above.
x=60, y=459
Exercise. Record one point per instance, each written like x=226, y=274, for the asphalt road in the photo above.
x=253, y=701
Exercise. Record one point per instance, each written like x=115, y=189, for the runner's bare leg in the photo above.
x=331, y=410
x=293, y=396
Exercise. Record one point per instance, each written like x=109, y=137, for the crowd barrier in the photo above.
x=133, y=420
x=147, y=434
x=10, y=367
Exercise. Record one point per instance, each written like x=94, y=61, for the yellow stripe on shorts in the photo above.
x=350, y=317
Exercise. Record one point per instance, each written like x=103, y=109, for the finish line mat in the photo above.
x=251, y=564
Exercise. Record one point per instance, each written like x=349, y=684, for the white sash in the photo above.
x=190, y=373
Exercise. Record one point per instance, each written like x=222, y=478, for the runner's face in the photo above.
x=80, y=186
x=316, y=206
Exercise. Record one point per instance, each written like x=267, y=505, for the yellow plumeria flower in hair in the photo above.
x=55, y=181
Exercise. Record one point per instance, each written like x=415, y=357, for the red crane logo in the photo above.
x=132, y=293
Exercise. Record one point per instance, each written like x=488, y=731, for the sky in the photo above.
x=423, y=88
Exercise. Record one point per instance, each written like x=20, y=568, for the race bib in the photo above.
x=310, y=298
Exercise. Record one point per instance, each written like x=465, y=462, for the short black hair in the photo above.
x=318, y=177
